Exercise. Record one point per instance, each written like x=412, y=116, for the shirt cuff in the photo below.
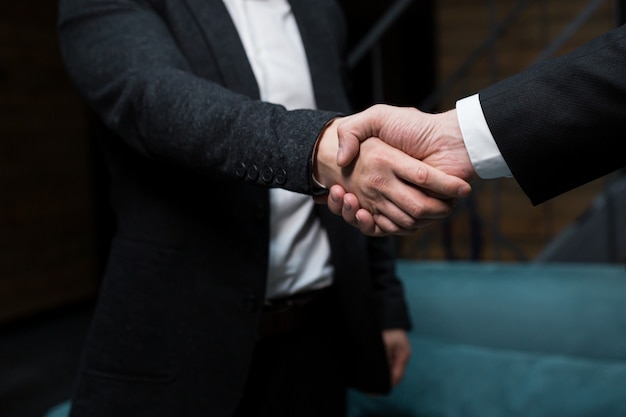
x=483, y=151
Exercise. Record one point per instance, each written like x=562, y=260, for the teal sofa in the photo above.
x=507, y=340
x=500, y=340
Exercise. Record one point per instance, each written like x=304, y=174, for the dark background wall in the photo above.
x=46, y=189
x=53, y=217
x=407, y=50
x=54, y=223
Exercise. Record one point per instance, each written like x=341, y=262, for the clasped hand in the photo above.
x=392, y=170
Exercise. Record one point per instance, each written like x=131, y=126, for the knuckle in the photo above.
x=377, y=182
x=387, y=227
x=345, y=130
x=377, y=107
x=422, y=174
x=417, y=210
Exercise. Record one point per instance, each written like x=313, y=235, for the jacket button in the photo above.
x=267, y=175
x=240, y=170
x=253, y=173
x=281, y=177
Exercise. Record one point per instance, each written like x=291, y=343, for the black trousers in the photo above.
x=298, y=373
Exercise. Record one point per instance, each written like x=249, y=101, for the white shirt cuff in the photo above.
x=486, y=158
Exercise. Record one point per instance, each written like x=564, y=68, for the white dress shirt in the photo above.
x=481, y=147
x=299, y=258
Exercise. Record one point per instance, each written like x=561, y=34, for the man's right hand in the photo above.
x=435, y=139
x=389, y=183
x=432, y=138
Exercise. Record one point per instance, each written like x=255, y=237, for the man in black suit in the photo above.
x=227, y=291
x=220, y=296
x=552, y=127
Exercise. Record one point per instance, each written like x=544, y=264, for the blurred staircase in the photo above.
x=599, y=235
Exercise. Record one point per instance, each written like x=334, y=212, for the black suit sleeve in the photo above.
x=127, y=64
x=561, y=123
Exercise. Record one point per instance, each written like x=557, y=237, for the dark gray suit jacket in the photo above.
x=561, y=123
x=191, y=154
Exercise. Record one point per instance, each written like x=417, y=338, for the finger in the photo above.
x=348, y=142
x=359, y=217
x=424, y=176
x=393, y=219
x=335, y=199
x=401, y=359
x=385, y=226
x=402, y=210
x=350, y=207
x=408, y=207
x=351, y=211
x=412, y=198
x=438, y=183
x=394, y=210
x=418, y=224
x=362, y=219
x=397, y=373
x=419, y=206
x=400, y=194
x=366, y=223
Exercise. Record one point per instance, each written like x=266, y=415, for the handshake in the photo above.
x=392, y=170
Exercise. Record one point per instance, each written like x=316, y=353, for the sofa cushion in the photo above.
x=528, y=340
x=456, y=380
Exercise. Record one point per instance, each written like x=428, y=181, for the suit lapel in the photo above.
x=225, y=44
x=317, y=36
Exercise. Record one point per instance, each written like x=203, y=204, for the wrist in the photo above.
x=326, y=172
x=452, y=136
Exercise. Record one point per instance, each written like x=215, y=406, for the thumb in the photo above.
x=352, y=130
x=349, y=141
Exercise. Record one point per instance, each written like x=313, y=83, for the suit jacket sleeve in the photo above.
x=560, y=123
x=125, y=62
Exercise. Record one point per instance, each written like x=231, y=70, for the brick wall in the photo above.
x=511, y=228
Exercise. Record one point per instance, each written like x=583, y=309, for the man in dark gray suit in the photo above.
x=227, y=291
x=553, y=127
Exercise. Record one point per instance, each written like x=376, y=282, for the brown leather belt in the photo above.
x=285, y=314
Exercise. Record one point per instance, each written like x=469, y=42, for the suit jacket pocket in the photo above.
x=139, y=324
